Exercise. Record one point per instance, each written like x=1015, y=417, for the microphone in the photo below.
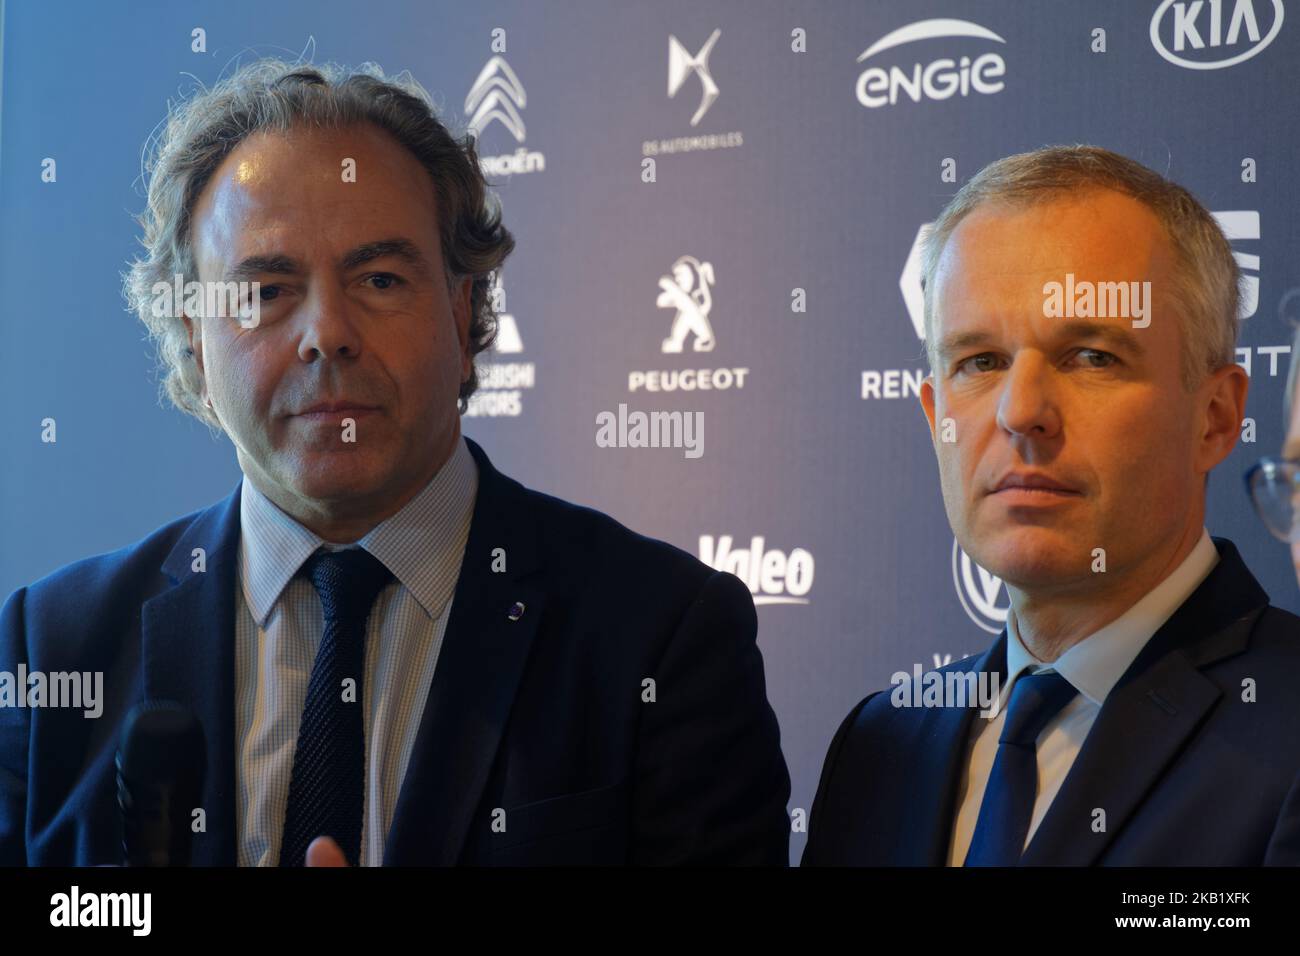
x=161, y=760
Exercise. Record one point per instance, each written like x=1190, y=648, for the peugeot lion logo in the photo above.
x=681, y=65
x=687, y=291
x=497, y=94
x=978, y=591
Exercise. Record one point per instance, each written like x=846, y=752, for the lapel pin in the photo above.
x=516, y=611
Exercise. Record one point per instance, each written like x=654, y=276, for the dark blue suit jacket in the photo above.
x=1186, y=771
x=542, y=717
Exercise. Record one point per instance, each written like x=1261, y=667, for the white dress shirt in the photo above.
x=279, y=625
x=1092, y=666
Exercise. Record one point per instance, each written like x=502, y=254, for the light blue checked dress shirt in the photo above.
x=279, y=625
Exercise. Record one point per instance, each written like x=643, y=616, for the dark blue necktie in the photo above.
x=327, y=789
x=1008, y=804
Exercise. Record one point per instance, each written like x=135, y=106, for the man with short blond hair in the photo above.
x=1145, y=712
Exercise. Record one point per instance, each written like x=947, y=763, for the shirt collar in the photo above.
x=422, y=544
x=1095, y=664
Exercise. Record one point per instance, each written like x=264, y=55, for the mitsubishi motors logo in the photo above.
x=687, y=292
x=681, y=65
x=504, y=376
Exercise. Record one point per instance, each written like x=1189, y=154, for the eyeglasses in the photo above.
x=1274, y=488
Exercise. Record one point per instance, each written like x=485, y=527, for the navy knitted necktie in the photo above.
x=1008, y=804
x=327, y=789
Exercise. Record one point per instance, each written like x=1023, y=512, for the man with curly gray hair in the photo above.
x=396, y=654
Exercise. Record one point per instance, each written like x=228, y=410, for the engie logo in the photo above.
x=1192, y=34
x=773, y=577
x=982, y=594
x=937, y=80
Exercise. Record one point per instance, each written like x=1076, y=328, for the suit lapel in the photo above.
x=1140, y=728
x=940, y=751
x=188, y=640
x=1149, y=716
x=484, y=651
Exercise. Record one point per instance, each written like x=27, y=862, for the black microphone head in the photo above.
x=161, y=761
x=161, y=737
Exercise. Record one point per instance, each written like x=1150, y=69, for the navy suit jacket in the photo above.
x=542, y=717
x=1186, y=772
